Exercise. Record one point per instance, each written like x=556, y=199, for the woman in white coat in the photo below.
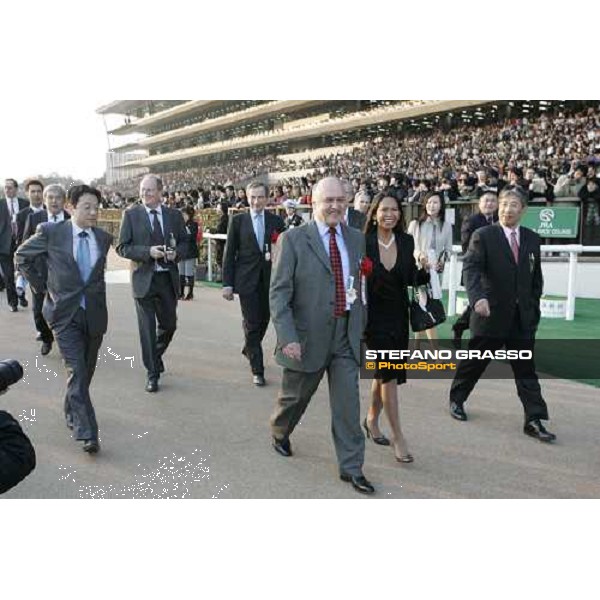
x=433, y=244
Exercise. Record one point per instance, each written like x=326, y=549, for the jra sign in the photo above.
x=552, y=221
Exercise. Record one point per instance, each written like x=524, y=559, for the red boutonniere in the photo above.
x=366, y=266
x=274, y=237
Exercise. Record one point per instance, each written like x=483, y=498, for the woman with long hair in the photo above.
x=391, y=253
x=433, y=244
x=187, y=264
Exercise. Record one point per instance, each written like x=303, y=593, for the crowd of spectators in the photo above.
x=552, y=155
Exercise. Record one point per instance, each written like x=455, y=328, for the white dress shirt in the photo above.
x=339, y=238
x=59, y=217
x=13, y=208
x=158, y=209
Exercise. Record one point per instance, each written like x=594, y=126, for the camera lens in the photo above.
x=10, y=372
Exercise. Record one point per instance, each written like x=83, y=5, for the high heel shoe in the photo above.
x=380, y=441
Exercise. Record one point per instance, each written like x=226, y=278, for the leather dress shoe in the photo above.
x=13, y=308
x=45, y=349
x=359, y=483
x=457, y=411
x=152, y=385
x=23, y=301
x=282, y=447
x=161, y=365
x=91, y=446
x=258, y=380
x=537, y=430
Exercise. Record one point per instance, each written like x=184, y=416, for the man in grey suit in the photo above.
x=152, y=236
x=75, y=304
x=317, y=311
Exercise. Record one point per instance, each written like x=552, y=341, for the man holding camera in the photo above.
x=148, y=231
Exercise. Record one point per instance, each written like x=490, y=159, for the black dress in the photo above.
x=387, y=299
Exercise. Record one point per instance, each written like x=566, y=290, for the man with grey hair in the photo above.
x=247, y=271
x=503, y=275
x=318, y=314
x=54, y=197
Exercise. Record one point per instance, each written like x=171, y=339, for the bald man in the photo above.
x=317, y=311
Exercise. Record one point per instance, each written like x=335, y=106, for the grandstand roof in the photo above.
x=237, y=118
x=165, y=116
x=344, y=124
x=120, y=107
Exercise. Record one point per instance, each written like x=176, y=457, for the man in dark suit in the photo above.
x=352, y=217
x=504, y=282
x=35, y=194
x=247, y=271
x=487, y=215
x=10, y=206
x=319, y=318
x=153, y=236
x=34, y=189
x=75, y=305
x=54, y=197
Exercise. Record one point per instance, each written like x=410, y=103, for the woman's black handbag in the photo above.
x=434, y=315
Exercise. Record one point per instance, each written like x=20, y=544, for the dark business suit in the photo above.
x=22, y=217
x=246, y=270
x=30, y=226
x=8, y=245
x=513, y=292
x=155, y=292
x=356, y=219
x=78, y=331
x=469, y=226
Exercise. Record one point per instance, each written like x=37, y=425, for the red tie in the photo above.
x=338, y=273
x=514, y=245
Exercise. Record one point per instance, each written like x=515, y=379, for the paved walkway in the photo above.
x=205, y=434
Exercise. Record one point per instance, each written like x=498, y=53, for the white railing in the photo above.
x=572, y=249
x=208, y=237
x=454, y=275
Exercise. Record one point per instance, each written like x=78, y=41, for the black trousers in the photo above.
x=462, y=322
x=157, y=320
x=8, y=269
x=38, y=318
x=79, y=351
x=256, y=316
x=526, y=379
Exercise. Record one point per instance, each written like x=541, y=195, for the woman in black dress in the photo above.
x=391, y=252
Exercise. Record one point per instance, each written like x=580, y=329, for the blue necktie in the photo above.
x=84, y=260
x=260, y=231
